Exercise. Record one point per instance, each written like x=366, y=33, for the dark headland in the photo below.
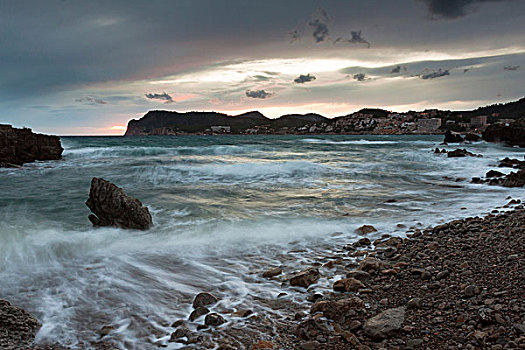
x=365, y=121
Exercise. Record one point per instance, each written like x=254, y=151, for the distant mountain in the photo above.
x=174, y=123
x=510, y=110
x=165, y=123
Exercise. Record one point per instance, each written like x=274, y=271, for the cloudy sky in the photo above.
x=87, y=67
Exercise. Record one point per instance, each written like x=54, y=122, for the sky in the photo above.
x=88, y=67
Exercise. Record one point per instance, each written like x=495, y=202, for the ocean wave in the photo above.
x=349, y=142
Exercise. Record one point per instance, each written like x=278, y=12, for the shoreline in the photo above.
x=456, y=285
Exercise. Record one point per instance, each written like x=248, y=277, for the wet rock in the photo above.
x=341, y=311
x=272, y=272
x=17, y=327
x=305, y=278
x=365, y=229
x=214, y=320
x=494, y=173
x=19, y=146
x=512, y=135
x=204, y=299
x=106, y=330
x=461, y=153
x=452, y=137
x=472, y=137
x=112, y=207
x=515, y=179
x=385, y=324
x=311, y=345
x=363, y=242
x=511, y=163
x=198, y=312
x=348, y=285
x=242, y=313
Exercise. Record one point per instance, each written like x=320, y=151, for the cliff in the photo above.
x=19, y=146
x=171, y=123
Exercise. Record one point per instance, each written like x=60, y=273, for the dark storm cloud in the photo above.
x=301, y=79
x=511, y=67
x=453, y=8
x=356, y=38
x=258, y=94
x=429, y=74
x=91, y=100
x=360, y=77
x=163, y=97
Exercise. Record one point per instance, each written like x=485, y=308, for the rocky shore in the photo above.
x=19, y=146
x=460, y=285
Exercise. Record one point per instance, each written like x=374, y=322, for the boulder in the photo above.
x=365, y=229
x=305, y=278
x=494, y=173
x=385, y=324
x=17, y=327
x=512, y=135
x=19, y=146
x=452, y=137
x=204, y=299
x=342, y=311
x=461, y=153
x=472, y=137
x=511, y=163
x=112, y=207
x=348, y=285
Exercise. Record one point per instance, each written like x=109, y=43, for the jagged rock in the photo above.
x=305, y=278
x=512, y=135
x=17, y=327
x=204, y=299
x=461, y=153
x=19, y=146
x=494, y=173
x=452, y=138
x=385, y=324
x=515, y=179
x=112, y=207
x=472, y=137
x=511, y=163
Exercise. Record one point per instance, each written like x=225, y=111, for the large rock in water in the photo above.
x=512, y=135
x=112, y=207
x=17, y=327
x=452, y=137
x=19, y=146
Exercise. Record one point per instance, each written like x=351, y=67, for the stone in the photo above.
x=311, y=345
x=363, y=276
x=472, y=137
x=348, y=285
x=19, y=146
x=198, y=312
x=112, y=207
x=385, y=324
x=365, y=229
x=341, y=310
x=204, y=299
x=460, y=153
x=470, y=291
x=17, y=327
x=414, y=343
x=214, y=319
x=414, y=303
x=242, y=313
x=494, y=173
x=272, y=272
x=370, y=264
x=305, y=278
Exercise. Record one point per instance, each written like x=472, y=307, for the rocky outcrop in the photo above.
x=452, y=137
x=112, y=207
x=461, y=153
x=512, y=135
x=19, y=146
x=17, y=327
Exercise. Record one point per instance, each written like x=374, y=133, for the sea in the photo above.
x=225, y=209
